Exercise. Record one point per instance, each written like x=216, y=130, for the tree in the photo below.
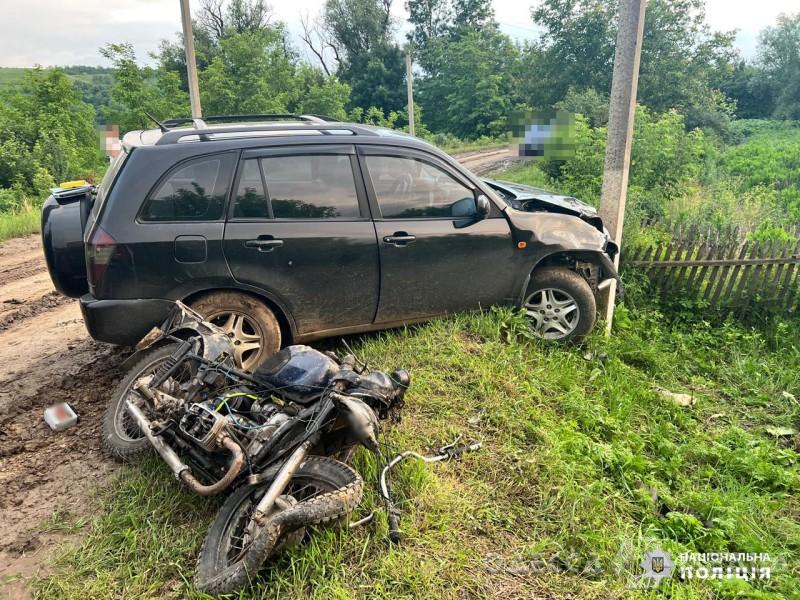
x=473, y=14
x=46, y=133
x=435, y=20
x=779, y=58
x=431, y=19
x=250, y=74
x=360, y=34
x=320, y=94
x=377, y=78
x=680, y=55
x=467, y=86
x=471, y=92
x=137, y=90
x=747, y=85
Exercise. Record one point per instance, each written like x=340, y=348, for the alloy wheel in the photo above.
x=245, y=334
x=554, y=314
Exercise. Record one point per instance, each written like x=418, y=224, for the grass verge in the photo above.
x=17, y=224
x=584, y=468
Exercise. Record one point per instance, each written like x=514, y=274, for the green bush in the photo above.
x=767, y=159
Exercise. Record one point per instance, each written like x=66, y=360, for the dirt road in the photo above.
x=46, y=357
x=483, y=161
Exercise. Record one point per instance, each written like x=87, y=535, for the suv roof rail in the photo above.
x=310, y=118
x=249, y=130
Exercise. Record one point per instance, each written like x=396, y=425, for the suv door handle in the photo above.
x=399, y=239
x=264, y=245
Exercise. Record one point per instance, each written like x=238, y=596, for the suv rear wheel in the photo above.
x=252, y=326
x=560, y=304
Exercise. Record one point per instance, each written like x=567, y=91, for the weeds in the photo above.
x=20, y=223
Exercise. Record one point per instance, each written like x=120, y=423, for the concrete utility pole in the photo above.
x=191, y=64
x=410, y=93
x=622, y=110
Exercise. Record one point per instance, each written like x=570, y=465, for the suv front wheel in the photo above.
x=252, y=326
x=560, y=304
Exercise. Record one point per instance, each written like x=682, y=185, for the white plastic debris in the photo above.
x=679, y=399
x=60, y=416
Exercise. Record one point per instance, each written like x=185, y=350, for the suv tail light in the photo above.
x=101, y=251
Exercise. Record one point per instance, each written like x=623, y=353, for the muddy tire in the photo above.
x=252, y=326
x=560, y=305
x=122, y=439
x=225, y=566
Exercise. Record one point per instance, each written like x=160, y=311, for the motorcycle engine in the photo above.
x=251, y=418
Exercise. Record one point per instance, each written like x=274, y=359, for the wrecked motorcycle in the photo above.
x=279, y=437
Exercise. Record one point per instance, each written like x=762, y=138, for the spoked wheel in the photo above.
x=560, y=305
x=322, y=491
x=122, y=438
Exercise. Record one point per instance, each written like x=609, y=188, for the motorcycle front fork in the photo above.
x=282, y=479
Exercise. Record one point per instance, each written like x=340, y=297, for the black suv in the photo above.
x=291, y=229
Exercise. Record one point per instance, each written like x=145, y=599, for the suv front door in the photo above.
x=436, y=255
x=299, y=228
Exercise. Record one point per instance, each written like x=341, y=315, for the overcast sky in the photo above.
x=69, y=32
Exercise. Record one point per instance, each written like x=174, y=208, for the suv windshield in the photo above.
x=107, y=181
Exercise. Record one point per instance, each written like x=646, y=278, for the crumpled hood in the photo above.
x=546, y=200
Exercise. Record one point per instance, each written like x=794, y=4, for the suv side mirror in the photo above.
x=483, y=206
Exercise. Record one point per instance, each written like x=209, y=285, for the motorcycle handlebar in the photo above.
x=394, y=525
x=457, y=451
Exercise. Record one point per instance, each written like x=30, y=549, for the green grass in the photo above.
x=529, y=173
x=576, y=445
x=462, y=147
x=17, y=224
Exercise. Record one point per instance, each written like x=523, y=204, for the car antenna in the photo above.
x=161, y=126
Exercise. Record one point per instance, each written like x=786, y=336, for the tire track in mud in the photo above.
x=46, y=357
x=43, y=472
x=28, y=310
x=17, y=272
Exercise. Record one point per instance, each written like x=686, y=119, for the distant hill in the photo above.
x=9, y=76
x=94, y=83
x=88, y=75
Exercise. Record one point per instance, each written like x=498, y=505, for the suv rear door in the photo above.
x=299, y=228
x=435, y=257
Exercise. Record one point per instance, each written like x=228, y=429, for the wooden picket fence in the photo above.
x=721, y=268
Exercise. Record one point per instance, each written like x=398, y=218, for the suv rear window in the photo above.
x=193, y=191
x=313, y=186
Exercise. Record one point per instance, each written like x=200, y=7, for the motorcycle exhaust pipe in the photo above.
x=181, y=469
x=168, y=454
x=227, y=479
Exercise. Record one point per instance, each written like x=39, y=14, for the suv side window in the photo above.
x=409, y=188
x=310, y=186
x=251, y=200
x=193, y=191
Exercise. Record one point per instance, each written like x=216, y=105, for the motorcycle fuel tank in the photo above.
x=298, y=372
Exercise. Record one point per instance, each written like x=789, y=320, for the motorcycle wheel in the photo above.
x=122, y=438
x=322, y=491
